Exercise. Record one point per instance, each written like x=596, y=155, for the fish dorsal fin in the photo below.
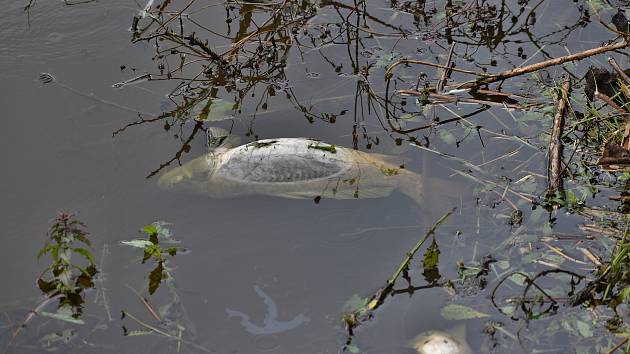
x=391, y=159
x=219, y=138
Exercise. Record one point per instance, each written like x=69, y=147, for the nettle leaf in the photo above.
x=146, y=256
x=81, y=237
x=461, y=312
x=162, y=230
x=431, y=256
x=85, y=253
x=47, y=286
x=172, y=251
x=155, y=277
x=150, y=229
x=45, y=250
x=430, y=262
x=138, y=333
x=62, y=315
x=54, y=252
x=85, y=281
x=137, y=243
x=354, y=303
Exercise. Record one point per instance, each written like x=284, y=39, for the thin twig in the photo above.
x=165, y=334
x=447, y=71
x=554, y=169
x=488, y=79
x=378, y=298
x=31, y=314
x=619, y=71
x=614, y=349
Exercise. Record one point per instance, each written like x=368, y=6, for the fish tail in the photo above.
x=412, y=186
x=431, y=192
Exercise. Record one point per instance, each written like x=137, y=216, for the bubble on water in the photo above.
x=55, y=37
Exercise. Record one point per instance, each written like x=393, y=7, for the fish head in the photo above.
x=452, y=341
x=192, y=175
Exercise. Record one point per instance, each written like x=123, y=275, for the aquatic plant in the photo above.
x=66, y=278
x=155, y=252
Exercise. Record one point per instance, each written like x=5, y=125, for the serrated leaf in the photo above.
x=461, y=312
x=45, y=250
x=137, y=333
x=62, y=316
x=430, y=262
x=85, y=253
x=150, y=229
x=137, y=243
x=155, y=277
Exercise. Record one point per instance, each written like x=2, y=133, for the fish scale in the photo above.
x=280, y=169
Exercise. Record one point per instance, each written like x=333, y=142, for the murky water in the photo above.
x=260, y=255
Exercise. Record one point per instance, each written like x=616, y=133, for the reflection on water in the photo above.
x=353, y=74
x=270, y=323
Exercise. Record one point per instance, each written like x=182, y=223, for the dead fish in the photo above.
x=293, y=168
x=452, y=341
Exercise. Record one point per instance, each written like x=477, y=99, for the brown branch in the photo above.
x=389, y=70
x=455, y=99
x=31, y=314
x=614, y=349
x=446, y=72
x=614, y=161
x=554, y=169
x=619, y=71
x=541, y=65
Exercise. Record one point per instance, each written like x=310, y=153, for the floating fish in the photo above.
x=293, y=168
x=452, y=341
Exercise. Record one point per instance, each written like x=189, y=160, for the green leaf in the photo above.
x=461, y=312
x=54, y=252
x=447, y=137
x=155, y=277
x=138, y=333
x=585, y=329
x=150, y=229
x=62, y=316
x=82, y=238
x=353, y=349
x=172, y=251
x=354, y=303
x=45, y=250
x=85, y=253
x=430, y=262
x=137, y=243
x=212, y=109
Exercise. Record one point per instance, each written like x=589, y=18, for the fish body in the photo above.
x=442, y=342
x=293, y=168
